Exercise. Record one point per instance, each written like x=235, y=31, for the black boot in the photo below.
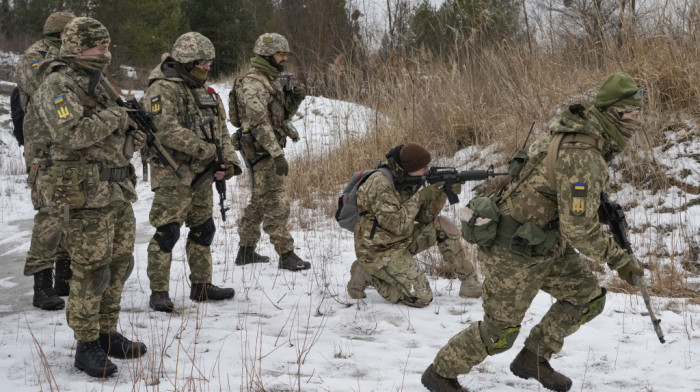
x=529, y=365
x=290, y=261
x=437, y=383
x=44, y=295
x=117, y=346
x=90, y=357
x=248, y=255
x=160, y=302
x=205, y=291
x=63, y=275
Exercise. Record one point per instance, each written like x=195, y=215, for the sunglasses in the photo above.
x=637, y=94
x=203, y=62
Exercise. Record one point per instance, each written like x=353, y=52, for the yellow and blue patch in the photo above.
x=62, y=108
x=155, y=105
x=35, y=63
x=579, y=191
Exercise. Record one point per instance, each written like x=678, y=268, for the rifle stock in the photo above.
x=450, y=176
x=613, y=214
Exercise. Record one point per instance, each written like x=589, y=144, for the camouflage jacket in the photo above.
x=264, y=109
x=572, y=204
x=178, y=112
x=87, y=139
x=31, y=70
x=392, y=216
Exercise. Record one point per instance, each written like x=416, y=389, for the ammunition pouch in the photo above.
x=517, y=162
x=526, y=240
x=480, y=221
x=66, y=183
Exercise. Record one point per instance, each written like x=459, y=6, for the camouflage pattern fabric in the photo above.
x=263, y=108
x=87, y=131
x=270, y=43
x=82, y=33
x=101, y=245
x=177, y=111
x=193, y=46
x=180, y=204
x=405, y=226
x=56, y=22
x=45, y=247
x=513, y=280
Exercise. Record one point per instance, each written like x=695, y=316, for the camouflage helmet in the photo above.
x=56, y=22
x=270, y=43
x=83, y=33
x=193, y=46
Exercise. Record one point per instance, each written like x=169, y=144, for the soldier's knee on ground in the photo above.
x=594, y=308
x=497, y=341
x=167, y=235
x=203, y=234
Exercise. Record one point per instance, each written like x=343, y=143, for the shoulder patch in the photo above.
x=62, y=110
x=579, y=191
x=35, y=63
x=156, y=108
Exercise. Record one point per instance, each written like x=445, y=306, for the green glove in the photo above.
x=628, y=271
x=430, y=192
x=281, y=165
x=298, y=93
x=456, y=188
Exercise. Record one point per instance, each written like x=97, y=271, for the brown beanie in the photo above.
x=413, y=157
x=56, y=22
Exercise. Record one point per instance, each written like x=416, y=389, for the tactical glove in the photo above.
x=232, y=170
x=430, y=192
x=456, y=188
x=298, y=94
x=628, y=271
x=281, y=165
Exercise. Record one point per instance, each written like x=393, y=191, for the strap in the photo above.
x=261, y=79
x=560, y=138
x=114, y=173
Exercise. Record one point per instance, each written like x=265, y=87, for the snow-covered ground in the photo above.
x=286, y=331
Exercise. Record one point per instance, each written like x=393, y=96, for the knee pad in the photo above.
x=594, y=308
x=129, y=269
x=167, y=235
x=203, y=234
x=101, y=278
x=500, y=341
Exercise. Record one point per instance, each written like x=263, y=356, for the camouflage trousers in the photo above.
x=101, y=245
x=180, y=204
x=396, y=274
x=509, y=288
x=45, y=247
x=268, y=206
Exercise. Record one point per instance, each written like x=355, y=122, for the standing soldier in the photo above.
x=396, y=223
x=185, y=111
x=91, y=181
x=548, y=214
x=264, y=108
x=45, y=249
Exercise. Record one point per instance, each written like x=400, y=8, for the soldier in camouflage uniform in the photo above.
x=396, y=223
x=548, y=212
x=91, y=181
x=45, y=249
x=264, y=107
x=180, y=102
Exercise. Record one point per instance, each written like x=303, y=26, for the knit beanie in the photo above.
x=56, y=22
x=413, y=157
x=83, y=33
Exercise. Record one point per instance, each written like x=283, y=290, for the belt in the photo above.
x=114, y=173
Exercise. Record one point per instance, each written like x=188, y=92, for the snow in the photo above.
x=286, y=331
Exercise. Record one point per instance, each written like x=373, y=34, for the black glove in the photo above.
x=281, y=165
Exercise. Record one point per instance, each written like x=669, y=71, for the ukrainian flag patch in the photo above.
x=35, y=63
x=579, y=191
x=155, y=105
x=62, y=110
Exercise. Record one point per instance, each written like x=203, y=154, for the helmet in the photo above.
x=270, y=43
x=56, y=22
x=81, y=34
x=193, y=46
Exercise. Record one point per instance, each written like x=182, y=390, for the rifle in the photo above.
x=287, y=80
x=214, y=166
x=450, y=176
x=145, y=123
x=612, y=213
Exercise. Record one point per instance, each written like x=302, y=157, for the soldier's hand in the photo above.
x=232, y=170
x=298, y=94
x=430, y=192
x=628, y=271
x=456, y=188
x=281, y=165
x=139, y=139
x=221, y=173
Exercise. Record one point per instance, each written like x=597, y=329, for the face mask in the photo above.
x=99, y=62
x=199, y=74
x=627, y=126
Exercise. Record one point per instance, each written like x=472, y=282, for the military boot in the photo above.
x=290, y=261
x=91, y=358
x=205, y=291
x=117, y=346
x=248, y=255
x=529, y=365
x=44, y=295
x=63, y=275
x=437, y=383
x=160, y=302
x=359, y=280
x=470, y=288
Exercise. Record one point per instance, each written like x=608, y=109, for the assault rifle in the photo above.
x=450, y=176
x=213, y=167
x=612, y=213
x=145, y=123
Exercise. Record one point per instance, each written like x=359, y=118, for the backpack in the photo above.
x=233, y=115
x=347, y=213
x=17, y=114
